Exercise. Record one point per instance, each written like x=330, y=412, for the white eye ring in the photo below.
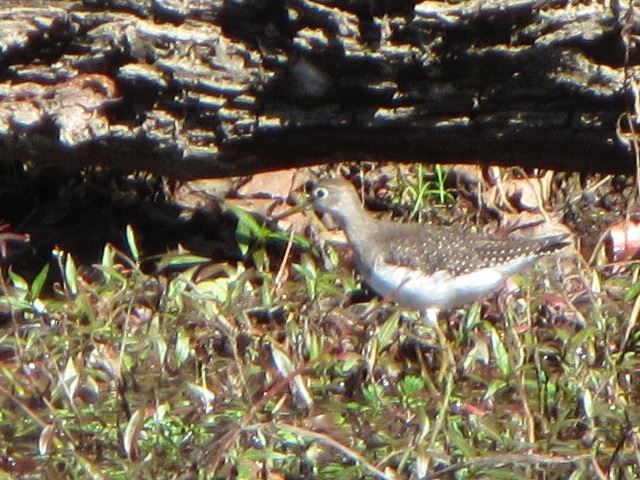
x=320, y=192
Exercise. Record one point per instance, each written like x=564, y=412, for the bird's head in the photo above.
x=336, y=197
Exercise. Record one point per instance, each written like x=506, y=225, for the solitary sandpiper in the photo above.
x=424, y=267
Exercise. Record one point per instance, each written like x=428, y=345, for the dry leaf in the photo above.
x=276, y=184
x=201, y=193
x=132, y=433
x=531, y=225
x=623, y=241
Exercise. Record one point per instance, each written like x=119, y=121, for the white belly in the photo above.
x=413, y=289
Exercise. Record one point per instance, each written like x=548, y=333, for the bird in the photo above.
x=426, y=267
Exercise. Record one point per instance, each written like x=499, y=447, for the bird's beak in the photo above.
x=305, y=202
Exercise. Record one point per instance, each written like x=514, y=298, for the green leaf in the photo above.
x=587, y=403
x=16, y=303
x=18, y=282
x=441, y=175
x=473, y=316
x=177, y=287
x=108, y=261
x=372, y=394
x=108, y=256
x=262, y=455
x=388, y=330
x=314, y=345
x=247, y=228
x=461, y=443
x=131, y=242
x=71, y=275
x=161, y=348
x=261, y=260
x=500, y=352
x=307, y=270
x=633, y=292
x=243, y=237
x=493, y=388
x=216, y=288
x=182, y=347
x=411, y=384
x=38, y=282
x=181, y=260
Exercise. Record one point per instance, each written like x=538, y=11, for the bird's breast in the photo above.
x=441, y=289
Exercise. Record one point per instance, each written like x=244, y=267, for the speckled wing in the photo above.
x=501, y=251
x=431, y=249
x=425, y=248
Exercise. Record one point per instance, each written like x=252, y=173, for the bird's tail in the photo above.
x=554, y=243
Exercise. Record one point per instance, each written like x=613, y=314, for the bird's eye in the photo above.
x=320, y=192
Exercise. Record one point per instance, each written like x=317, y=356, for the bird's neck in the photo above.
x=357, y=223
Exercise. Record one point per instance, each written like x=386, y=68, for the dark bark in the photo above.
x=193, y=88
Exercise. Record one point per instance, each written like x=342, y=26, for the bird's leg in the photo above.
x=446, y=375
x=430, y=316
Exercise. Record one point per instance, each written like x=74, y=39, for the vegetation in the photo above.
x=272, y=361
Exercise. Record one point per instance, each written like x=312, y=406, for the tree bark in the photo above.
x=194, y=88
